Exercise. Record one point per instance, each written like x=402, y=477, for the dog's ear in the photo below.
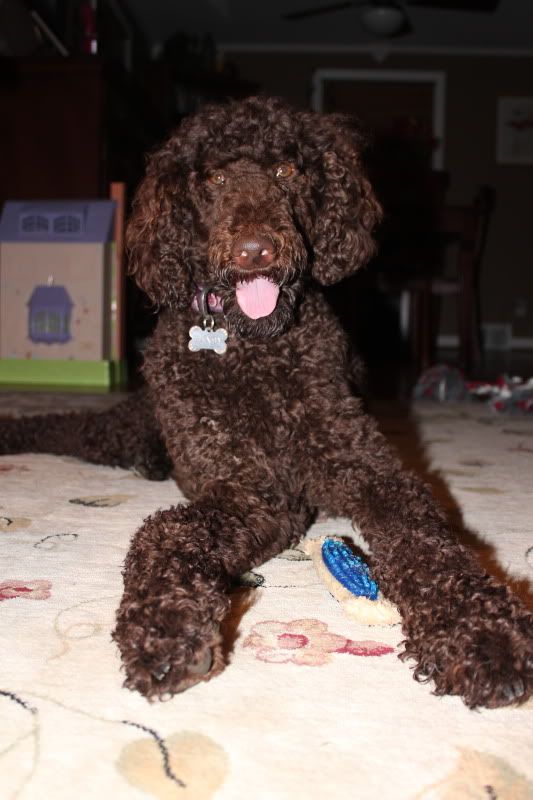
x=159, y=231
x=348, y=210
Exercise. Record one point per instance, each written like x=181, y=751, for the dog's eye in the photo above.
x=217, y=178
x=284, y=170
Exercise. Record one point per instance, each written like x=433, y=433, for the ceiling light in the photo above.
x=383, y=19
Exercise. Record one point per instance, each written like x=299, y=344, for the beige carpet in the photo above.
x=312, y=705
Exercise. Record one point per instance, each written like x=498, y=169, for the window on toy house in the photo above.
x=34, y=223
x=68, y=223
x=65, y=223
x=49, y=322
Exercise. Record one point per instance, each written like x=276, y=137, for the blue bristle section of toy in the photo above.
x=348, y=569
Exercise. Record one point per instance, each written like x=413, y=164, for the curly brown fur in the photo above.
x=126, y=435
x=266, y=435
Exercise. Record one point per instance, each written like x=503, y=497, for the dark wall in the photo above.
x=474, y=84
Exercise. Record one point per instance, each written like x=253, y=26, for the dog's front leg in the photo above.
x=468, y=633
x=177, y=576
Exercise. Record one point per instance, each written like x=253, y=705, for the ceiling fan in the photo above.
x=389, y=17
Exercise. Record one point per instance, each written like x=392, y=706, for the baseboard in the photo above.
x=521, y=343
x=451, y=342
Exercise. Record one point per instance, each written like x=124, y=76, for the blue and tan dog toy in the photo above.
x=347, y=578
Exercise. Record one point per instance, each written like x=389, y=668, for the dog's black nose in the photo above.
x=252, y=251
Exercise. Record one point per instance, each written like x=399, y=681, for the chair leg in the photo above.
x=405, y=313
x=414, y=326
x=426, y=343
x=466, y=321
x=478, y=353
x=420, y=326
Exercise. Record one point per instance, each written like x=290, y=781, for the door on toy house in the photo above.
x=49, y=312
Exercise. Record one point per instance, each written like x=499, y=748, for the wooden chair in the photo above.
x=463, y=230
x=461, y=236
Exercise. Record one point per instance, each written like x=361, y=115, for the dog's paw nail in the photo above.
x=203, y=666
x=426, y=672
x=514, y=691
x=161, y=671
x=250, y=580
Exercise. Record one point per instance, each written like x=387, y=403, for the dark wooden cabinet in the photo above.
x=69, y=127
x=53, y=133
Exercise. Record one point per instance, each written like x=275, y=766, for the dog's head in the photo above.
x=249, y=199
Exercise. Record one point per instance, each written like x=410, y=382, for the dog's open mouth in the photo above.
x=257, y=298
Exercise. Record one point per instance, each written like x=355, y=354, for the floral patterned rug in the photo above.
x=312, y=704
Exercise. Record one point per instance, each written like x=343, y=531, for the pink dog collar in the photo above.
x=214, y=302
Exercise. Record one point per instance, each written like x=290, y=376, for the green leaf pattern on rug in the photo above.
x=482, y=489
x=294, y=554
x=104, y=501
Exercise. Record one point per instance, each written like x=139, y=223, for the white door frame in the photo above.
x=437, y=79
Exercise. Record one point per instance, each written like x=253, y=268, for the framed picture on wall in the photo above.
x=515, y=130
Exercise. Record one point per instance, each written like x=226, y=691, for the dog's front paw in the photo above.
x=489, y=663
x=168, y=644
x=153, y=466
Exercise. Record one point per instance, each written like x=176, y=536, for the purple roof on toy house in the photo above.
x=57, y=221
x=50, y=297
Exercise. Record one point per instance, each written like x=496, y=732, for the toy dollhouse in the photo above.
x=61, y=294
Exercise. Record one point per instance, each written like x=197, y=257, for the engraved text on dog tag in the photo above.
x=206, y=339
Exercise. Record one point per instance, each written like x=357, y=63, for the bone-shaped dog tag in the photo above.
x=208, y=339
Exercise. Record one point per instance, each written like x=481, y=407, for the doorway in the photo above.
x=402, y=114
x=407, y=101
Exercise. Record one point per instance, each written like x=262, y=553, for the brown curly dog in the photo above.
x=260, y=204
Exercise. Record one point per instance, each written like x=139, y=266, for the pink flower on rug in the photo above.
x=306, y=642
x=13, y=468
x=30, y=590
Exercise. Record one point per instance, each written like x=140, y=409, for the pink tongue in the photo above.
x=257, y=298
